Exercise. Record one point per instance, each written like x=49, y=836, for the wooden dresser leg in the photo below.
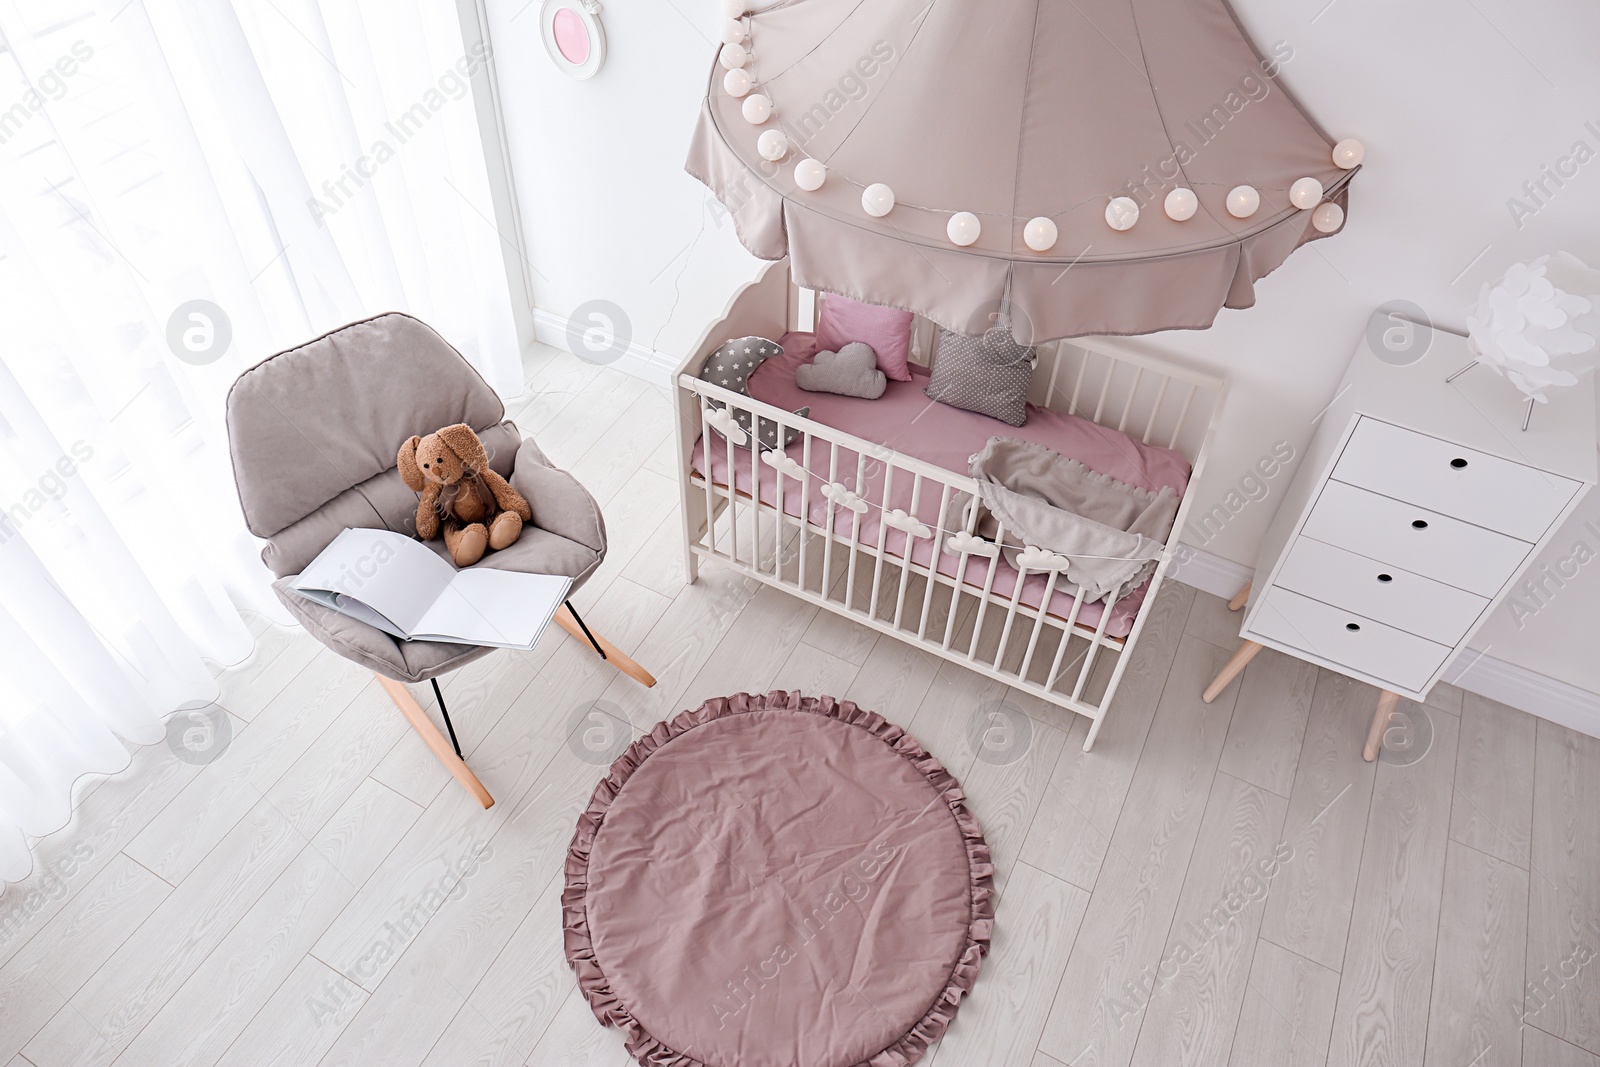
x=1387, y=702
x=1240, y=597
x=434, y=739
x=1230, y=670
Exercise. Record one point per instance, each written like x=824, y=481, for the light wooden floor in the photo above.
x=323, y=893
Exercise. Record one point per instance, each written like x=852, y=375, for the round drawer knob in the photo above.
x=1419, y=524
x=1458, y=464
x=1385, y=577
x=1352, y=626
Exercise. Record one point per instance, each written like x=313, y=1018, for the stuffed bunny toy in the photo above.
x=475, y=508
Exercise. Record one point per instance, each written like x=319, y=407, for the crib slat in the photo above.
x=1055, y=371
x=777, y=512
x=883, y=538
x=906, y=549
x=733, y=498
x=1105, y=387
x=933, y=564
x=827, y=529
x=988, y=589
x=1150, y=424
x=805, y=506
x=755, y=499
x=1011, y=616
x=1077, y=384
x=1038, y=623
x=1133, y=391
x=855, y=533
x=1094, y=650
x=705, y=454
x=1066, y=637
x=1177, y=427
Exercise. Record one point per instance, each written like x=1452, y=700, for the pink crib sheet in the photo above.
x=905, y=420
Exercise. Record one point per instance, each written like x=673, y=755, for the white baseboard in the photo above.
x=637, y=360
x=1537, y=694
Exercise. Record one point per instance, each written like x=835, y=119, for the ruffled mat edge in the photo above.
x=910, y=1046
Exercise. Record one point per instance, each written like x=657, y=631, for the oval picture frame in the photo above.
x=573, y=36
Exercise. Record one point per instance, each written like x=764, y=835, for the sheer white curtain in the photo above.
x=187, y=186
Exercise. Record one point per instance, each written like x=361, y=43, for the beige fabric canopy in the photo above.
x=1014, y=109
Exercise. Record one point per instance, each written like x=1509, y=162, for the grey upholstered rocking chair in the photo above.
x=314, y=432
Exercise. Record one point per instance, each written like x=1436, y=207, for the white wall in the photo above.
x=1458, y=105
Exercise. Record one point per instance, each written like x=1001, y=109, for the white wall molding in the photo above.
x=636, y=359
x=1519, y=687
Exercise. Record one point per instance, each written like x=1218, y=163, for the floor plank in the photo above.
x=1137, y=893
x=1288, y=1011
x=1200, y=982
x=1269, y=721
x=1036, y=920
x=1494, y=780
x=1308, y=908
x=1072, y=829
x=1477, y=973
x=1387, y=979
x=1564, y=887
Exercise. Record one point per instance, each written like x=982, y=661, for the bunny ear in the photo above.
x=465, y=444
x=410, y=473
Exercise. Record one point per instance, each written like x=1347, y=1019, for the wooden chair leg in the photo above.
x=435, y=740
x=1240, y=597
x=613, y=655
x=1230, y=670
x=1387, y=702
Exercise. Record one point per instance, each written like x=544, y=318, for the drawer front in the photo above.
x=1415, y=539
x=1380, y=591
x=1482, y=489
x=1404, y=660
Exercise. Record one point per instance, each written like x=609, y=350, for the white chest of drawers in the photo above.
x=1418, y=504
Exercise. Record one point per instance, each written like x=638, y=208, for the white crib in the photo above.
x=1059, y=659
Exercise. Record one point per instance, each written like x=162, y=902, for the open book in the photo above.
x=404, y=588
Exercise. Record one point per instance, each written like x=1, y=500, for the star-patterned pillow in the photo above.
x=731, y=366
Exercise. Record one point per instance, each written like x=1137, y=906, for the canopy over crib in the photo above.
x=999, y=136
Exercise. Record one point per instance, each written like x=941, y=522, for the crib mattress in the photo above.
x=905, y=420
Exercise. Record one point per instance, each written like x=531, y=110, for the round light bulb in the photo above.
x=1348, y=153
x=1181, y=204
x=738, y=81
x=773, y=145
x=733, y=55
x=1040, y=234
x=963, y=228
x=733, y=8
x=809, y=174
x=1243, y=201
x=757, y=109
x=732, y=32
x=1305, y=194
x=1122, y=213
x=877, y=200
x=1327, y=217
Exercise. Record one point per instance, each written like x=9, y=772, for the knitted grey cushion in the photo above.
x=851, y=371
x=988, y=374
x=731, y=366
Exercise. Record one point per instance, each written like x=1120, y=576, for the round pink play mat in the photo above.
x=777, y=881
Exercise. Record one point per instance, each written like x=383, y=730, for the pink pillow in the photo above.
x=886, y=330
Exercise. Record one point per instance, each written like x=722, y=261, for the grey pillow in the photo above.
x=987, y=374
x=731, y=366
x=851, y=371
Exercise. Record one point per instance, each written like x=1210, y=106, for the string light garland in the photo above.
x=964, y=227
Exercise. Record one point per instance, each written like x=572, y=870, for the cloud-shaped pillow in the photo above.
x=851, y=371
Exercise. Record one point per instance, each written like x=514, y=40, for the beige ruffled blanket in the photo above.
x=1112, y=533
